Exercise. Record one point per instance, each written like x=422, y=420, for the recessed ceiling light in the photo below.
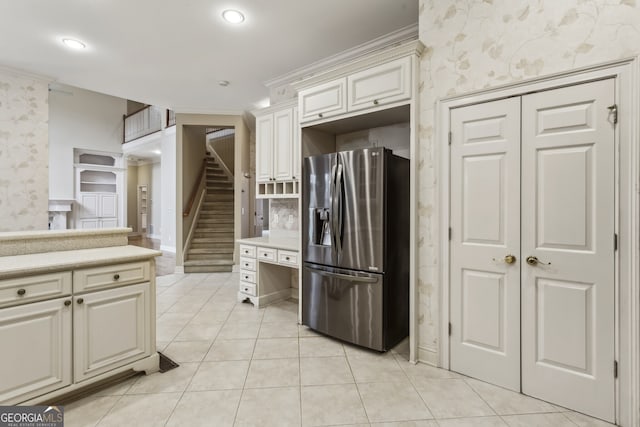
x=74, y=44
x=224, y=83
x=233, y=16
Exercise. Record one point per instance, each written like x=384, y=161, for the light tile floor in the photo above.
x=247, y=367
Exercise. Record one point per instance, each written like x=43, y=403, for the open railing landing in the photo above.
x=146, y=121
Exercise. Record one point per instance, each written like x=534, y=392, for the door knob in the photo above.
x=509, y=259
x=533, y=260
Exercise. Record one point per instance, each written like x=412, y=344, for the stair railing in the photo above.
x=199, y=188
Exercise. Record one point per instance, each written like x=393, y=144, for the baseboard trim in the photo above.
x=428, y=356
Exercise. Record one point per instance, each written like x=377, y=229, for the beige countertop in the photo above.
x=38, y=263
x=288, y=243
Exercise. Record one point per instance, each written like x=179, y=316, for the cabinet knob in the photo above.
x=116, y=276
x=375, y=102
x=22, y=292
x=287, y=258
x=320, y=115
x=67, y=303
x=80, y=300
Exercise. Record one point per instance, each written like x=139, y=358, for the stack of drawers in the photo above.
x=250, y=256
x=248, y=270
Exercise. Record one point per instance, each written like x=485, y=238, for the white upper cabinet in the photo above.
x=264, y=144
x=322, y=101
x=384, y=84
x=282, y=144
x=295, y=159
x=276, y=140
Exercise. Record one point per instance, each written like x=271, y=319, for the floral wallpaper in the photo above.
x=476, y=44
x=24, y=153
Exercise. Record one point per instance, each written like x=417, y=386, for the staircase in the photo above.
x=211, y=248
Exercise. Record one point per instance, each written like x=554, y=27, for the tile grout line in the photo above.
x=186, y=387
x=235, y=416
x=364, y=408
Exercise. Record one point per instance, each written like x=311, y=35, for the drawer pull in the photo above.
x=80, y=300
x=67, y=303
x=22, y=292
x=246, y=289
x=246, y=277
x=246, y=251
x=265, y=254
x=320, y=115
x=375, y=102
x=116, y=276
x=246, y=264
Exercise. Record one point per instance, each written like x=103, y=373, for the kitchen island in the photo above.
x=77, y=307
x=269, y=269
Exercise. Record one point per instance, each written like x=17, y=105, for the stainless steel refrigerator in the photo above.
x=355, y=246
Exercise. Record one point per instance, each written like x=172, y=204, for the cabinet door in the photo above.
x=89, y=224
x=295, y=156
x=322, y=101
x=108, y=205
x=282, y=144
x=108, y=223
x=89, y=205
x=384, y=84
x=264, y=148
x=111, y=328
x=36, y=356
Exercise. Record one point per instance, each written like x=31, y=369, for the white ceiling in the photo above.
x=173, y=53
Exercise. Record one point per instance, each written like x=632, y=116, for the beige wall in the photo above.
x=480, y=44
x=132, y=197
x=24, y=152
x=185, y=176
x=193, y=151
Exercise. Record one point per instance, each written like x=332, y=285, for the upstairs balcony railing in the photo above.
x=171, y=118
x=142, y=122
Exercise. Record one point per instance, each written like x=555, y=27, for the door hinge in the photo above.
x=450, y=138
x=615, y=241
x=615, y=369
x=449, y=328
x=450, y=233
x=613, y=110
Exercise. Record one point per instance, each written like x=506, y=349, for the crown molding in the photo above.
x=22, y=73
x=275, y=107
x=192, y=110
x=404, y=34
x=414, y=47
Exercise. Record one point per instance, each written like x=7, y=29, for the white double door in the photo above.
x=532, y=248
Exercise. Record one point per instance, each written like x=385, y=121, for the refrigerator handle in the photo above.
x=339, y=190
x=346, y=276
x=332, y=196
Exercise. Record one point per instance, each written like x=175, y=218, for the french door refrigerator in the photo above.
x=355, y=247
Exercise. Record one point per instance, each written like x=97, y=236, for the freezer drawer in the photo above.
x=344, y=304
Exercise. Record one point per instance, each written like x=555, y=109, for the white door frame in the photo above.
x=627, y=211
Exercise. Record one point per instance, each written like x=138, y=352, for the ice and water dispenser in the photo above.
x=321, y=234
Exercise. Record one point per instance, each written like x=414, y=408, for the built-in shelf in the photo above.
x=278, y=189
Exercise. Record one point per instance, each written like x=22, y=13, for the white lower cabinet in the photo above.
x=111, y=329
x=36, y=349
x=104, y=321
